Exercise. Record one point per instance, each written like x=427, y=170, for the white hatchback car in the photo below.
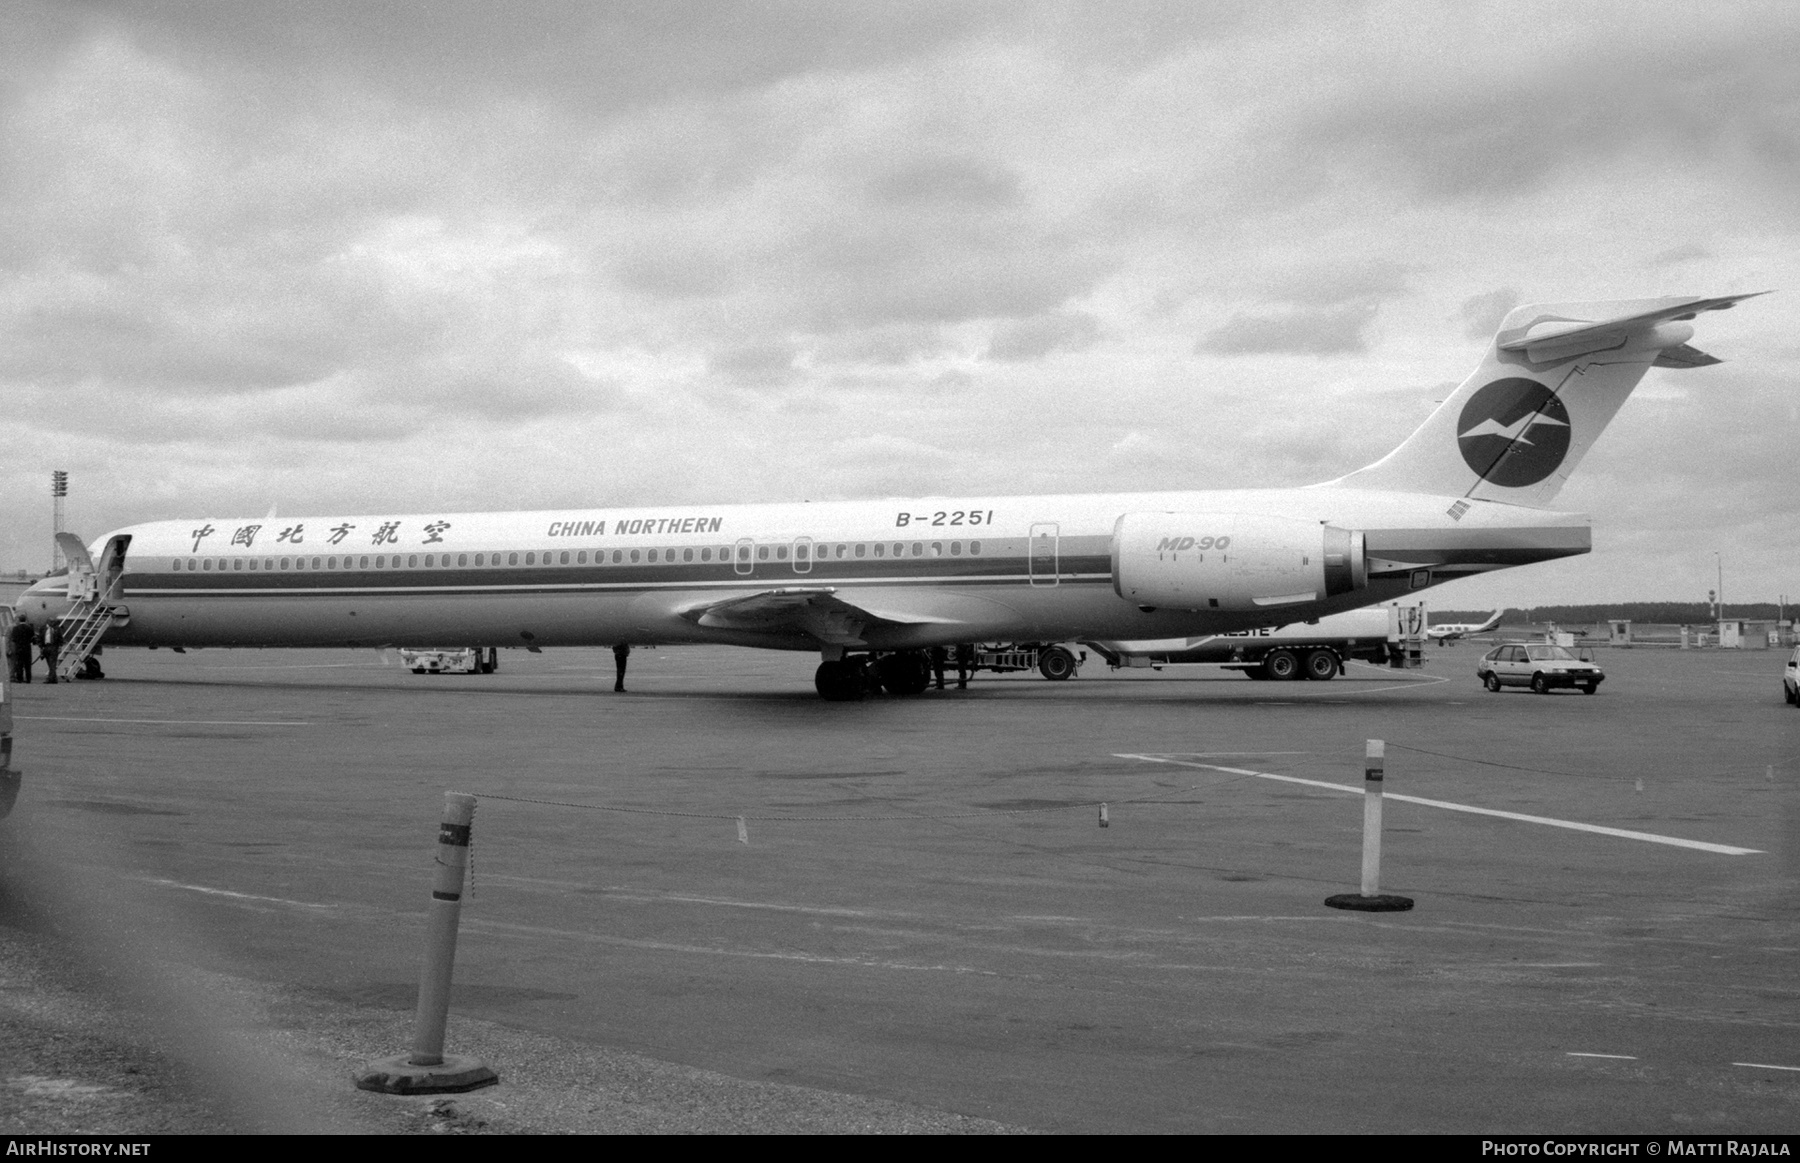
x=1790, y=679
x=1538, y=666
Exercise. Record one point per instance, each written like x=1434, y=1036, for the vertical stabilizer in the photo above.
x=1551, y=381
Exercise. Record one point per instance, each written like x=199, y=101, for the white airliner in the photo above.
x=1451, y=631
x=871, y=585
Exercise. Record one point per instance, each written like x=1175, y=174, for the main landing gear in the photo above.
x=906, y=672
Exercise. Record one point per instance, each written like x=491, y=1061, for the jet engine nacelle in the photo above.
x=1232, y=561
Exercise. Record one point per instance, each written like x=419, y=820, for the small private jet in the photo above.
x=1451, y=631
x=871, y=586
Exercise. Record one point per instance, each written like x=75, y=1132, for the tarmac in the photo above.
x=718, y=903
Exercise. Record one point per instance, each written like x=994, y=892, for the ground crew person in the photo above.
x=18, y=650
x=938, y=657
x=965, y=664
x=620, y=653
x=52, y=644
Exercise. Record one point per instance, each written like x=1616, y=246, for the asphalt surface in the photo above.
x=212, y=892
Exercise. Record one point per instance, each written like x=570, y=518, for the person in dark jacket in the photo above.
x=620, y=653
x=18, y=651
x=52, y=645
x=965, y=664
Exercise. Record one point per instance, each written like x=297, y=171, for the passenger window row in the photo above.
x=802, y=551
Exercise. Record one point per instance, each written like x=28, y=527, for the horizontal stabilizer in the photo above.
x=1685, y=356
x=1552, y=336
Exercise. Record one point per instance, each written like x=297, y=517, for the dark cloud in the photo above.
x=599, y=58
x=203, y=331
x=677, y=270
x=1025, y=339
x=237, y=430
x=965, y=181
x=1676, y=255
x=1332, y=284
x=1321, y=331
x=756, y=363
x=1501, y=109
x=528, y=389
x=891, y=345
x=891, y=276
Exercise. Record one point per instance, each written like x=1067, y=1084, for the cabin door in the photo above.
x=1042, y=553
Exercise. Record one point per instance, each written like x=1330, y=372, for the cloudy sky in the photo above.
x=362, y=255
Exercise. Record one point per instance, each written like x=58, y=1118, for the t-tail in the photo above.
x=1553, y=377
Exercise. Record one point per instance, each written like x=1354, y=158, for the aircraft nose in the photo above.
x=45, y=599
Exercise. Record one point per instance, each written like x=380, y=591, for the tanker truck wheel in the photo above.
x=1321, y=665
x=1281, y=665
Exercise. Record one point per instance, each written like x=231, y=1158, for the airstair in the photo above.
x=92, y=610
x=83, y=626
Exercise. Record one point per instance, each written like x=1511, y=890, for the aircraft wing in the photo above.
x=814, y=610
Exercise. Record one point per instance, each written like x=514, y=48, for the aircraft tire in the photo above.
x=1281, y=665
x=907, y=673
x=839, y=682
x=1056, y=664
x=1321, y=665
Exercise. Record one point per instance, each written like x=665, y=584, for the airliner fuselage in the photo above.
x=898, y=574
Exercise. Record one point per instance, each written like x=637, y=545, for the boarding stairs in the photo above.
x=83, y=626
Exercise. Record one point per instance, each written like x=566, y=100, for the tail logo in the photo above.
x=1513, y=432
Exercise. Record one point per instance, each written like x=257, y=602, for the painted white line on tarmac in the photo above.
x=639, y=896
x=1620, y=1057
x=1235, y=755
x=1547, y=821
x=1421, y=681
x=499, y=928
x=722, y=903
x=1765, y=1066
x=304, y=666
x=1233, y=917
x=170, y=722
x=203, y=889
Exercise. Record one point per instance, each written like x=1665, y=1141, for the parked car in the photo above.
x=1790, y=680
x=1539, y=666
